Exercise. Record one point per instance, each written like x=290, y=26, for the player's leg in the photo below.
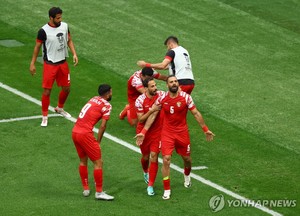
x=92, y=148
x=187, y=88
x=123, y=113
x=153, y=168
x=187, y=170
x=145, y=150
x=83, y=172
x=145, y=165
x=183, y=148
x=63, y=80
x=45, y=106
x=167, y=147
x=131, y=115
x=82, y=169
x=166, y=176
x=49, y=73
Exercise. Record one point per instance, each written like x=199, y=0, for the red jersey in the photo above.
x=134, y=83
x=97, y=108
x=142, y=105
x=175, y=111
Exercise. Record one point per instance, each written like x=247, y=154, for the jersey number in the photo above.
x=171, y=109
x=84, y=110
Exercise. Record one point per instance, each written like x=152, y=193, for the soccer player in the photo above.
x=177, y=59
x=87, y=145
x=134, y=89
x=151, y=145
x=55, y=38
x=174, y=105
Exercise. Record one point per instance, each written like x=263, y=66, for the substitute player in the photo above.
x=177, y=59
x=151, y=145
x=134, y=89
x=87, y=145
x=55, y=38
x=174, y=105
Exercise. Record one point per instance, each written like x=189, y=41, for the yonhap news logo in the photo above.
x=218, y=202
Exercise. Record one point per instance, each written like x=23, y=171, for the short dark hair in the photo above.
x=54, y=11
x=147, y=71
x=146, y=81
x=172, y=38
x=170, y=77
x=103, y=89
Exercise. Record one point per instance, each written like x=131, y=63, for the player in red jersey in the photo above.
x=151, y=145
x=178, y=61
x=134, y=89
x=87, y=146
x=174, y=105
x=55, y=38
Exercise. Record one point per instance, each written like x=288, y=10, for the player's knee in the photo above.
x=167, y=159
x=98, y=164
x=153, y=156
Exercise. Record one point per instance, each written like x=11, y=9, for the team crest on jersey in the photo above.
x=178, y=104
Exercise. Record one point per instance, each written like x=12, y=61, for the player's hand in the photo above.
x=139, y=139
x=209, y=135
x=141, y=64
x=75, y=60
x=32, y=69
x=155, y=108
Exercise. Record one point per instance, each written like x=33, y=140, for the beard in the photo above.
x=57, y=24
x=173, y=89
x=109, y=99
x=153, y=93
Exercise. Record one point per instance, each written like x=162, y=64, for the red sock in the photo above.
x=152, y=173
x=167, y=184
x=62, y=98
x=145, y=164
x=98, y=177
x=187, y=170
x=83, y=172
x=45, y=104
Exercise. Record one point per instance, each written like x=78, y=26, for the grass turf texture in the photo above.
x=246, y=68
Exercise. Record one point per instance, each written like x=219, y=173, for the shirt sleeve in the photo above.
x=161, y=96
x=170, y=55
x=155, y=74
x=41, y=37
x=139, y=105
x=106, y=112
x=190, y=102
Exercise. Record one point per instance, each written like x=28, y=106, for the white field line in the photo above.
x=136, y=149
x=27, y=118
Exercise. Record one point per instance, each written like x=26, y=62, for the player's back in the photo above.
x=91, y=113
x=134, y=83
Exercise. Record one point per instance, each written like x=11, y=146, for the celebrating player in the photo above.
x=174, y=105
x=134, y=89
x=86, y=145
x=55, y=38
x=179, y=63
x=151, y=146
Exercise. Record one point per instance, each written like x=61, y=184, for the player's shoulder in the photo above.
x=185, y=95
x=160, y=93
x=142, y=97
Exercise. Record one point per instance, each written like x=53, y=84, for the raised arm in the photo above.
x=160, y=66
